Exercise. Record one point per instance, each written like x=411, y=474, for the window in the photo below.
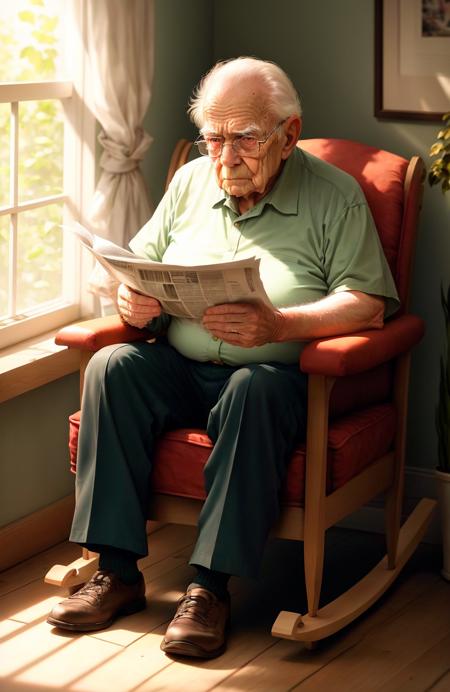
x=46, y=143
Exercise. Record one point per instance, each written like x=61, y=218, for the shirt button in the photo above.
x=215, y=338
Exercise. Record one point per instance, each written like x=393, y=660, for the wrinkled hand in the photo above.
x=135, y=308
x=243, y=324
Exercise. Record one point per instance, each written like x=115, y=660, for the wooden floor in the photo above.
x=402, y=643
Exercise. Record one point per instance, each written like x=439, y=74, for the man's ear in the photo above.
x=292, y=130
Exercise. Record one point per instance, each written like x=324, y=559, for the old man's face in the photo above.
x=233, y=110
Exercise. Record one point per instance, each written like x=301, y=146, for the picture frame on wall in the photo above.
x=412, y=59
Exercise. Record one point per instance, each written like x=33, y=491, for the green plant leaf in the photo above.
x=49, y=24
x=27, y=16
x=439, y=171
x=436, y=149
x=432, y=179
x=35, y=253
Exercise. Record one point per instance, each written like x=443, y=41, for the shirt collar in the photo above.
x=284, y=196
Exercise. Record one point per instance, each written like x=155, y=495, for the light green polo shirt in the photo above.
x=313, y=232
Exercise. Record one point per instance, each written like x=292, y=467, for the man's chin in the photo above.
x=237, y=188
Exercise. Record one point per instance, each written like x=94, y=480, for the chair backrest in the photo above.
x=393, y=187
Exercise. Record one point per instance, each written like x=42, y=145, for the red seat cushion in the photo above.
x=355, y=441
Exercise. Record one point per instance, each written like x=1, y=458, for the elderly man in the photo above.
x=235, y=372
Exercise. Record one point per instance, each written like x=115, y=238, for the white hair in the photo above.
x=282, y=99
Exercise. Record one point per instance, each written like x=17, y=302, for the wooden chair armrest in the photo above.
x=354, y=353
x=92, y=335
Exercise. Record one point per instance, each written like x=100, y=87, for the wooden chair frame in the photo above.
x=357, y=352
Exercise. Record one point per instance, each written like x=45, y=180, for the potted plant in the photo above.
x=439, y=174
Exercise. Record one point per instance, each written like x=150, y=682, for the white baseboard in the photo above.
x=419, y=483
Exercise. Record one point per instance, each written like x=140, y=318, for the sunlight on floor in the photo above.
x=35, y=611
x=57, y=669
x=40, y=655
x=33, y=654
x=27, y=647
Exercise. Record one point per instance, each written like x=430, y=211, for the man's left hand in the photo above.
x=243, y=324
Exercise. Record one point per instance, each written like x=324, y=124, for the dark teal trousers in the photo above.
x=255, y=415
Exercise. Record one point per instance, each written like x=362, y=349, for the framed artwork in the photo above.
x=412, y=59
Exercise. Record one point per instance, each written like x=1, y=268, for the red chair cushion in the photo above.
x=355, y=441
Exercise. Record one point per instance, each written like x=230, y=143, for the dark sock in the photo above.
x=216, y=582
x=121, y=562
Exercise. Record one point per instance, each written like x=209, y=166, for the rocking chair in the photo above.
x=357, y=410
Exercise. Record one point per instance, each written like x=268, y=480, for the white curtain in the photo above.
x=120, y=49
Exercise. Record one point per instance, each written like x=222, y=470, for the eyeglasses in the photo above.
x=242, y=145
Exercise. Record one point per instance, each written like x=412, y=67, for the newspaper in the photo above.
x=183, y=291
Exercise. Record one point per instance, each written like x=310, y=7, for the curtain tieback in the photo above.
x=120, y=157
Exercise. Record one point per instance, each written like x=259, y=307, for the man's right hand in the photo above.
x=135, y=308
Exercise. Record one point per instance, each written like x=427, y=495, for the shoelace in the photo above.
x=195, y=607
x=96, y=586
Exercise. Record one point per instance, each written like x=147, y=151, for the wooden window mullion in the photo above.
x=14, y=199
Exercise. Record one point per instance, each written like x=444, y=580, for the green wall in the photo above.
x=34, y=466
x=183, y=52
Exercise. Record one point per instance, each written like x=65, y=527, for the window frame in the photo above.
x=78, y=178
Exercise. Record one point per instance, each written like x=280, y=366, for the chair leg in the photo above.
x=394, y=496
x=314, y=548
x=319, y=389
x=393, y=506
x=291, y=625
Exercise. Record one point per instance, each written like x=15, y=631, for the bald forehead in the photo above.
x=232, y=97
x=236, y=84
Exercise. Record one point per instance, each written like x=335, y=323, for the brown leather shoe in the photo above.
x=199, y=626
x=98, y=603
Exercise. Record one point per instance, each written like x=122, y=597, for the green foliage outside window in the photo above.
x=29, y=52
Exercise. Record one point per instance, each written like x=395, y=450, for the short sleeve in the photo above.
x=152, y=239
x=354, y=257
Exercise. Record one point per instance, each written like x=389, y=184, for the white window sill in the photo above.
x=33, y=363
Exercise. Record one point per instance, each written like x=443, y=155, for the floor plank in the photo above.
x=402, y=643
x=426, y=671
x=390, y=648
x=442, y=685
x=133, y=666
x=288, y=663
x=39, y=656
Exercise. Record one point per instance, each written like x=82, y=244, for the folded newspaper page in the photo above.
x=182, y=290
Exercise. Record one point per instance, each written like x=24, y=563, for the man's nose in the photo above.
x=228, y=156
